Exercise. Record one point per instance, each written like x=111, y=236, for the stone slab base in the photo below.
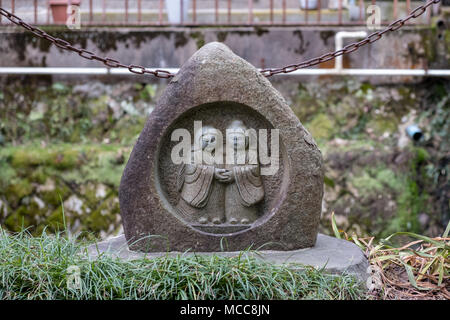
x=333, y=255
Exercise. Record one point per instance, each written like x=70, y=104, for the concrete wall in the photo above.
x=263, y=47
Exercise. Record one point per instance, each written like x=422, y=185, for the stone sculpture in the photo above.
x=270, y=194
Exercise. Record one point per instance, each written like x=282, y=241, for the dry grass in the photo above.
x=420, y=269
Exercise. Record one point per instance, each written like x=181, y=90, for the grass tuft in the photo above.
x=46, y=267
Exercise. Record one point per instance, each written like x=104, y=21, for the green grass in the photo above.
x=39, y=268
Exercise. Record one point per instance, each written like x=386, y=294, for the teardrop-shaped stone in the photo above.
x=272, y=196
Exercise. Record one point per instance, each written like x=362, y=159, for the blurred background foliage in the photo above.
x=68, y=143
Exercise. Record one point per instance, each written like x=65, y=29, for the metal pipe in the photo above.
x=301, y=72
x=338, y=40
x=414, y=132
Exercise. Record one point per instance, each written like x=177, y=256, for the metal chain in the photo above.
x=397, y=24
x=137, y=69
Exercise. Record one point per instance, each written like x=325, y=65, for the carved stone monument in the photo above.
x=222, y=163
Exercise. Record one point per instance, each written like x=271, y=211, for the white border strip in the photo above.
x=301, y=72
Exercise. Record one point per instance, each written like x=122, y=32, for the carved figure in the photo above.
x=201, y=185
x=245, y=188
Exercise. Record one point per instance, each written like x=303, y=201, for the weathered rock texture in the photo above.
x=214, y=86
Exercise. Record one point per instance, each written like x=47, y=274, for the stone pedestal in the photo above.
x=330, y=254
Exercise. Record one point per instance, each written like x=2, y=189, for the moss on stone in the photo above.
x=322, y=126
x=17, y=189
x=23, y=217
x=53, y=197
x=55, y=222
x=366, y=184
x=382, y=124
x=390, y=179
x=199, y=38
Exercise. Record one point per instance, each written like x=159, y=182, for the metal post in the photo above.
x=35, y=10
x=250, y=11
x=395, y=14
x=340, y=12
x=126, y=11
x=181, y=11
x=284, y=11
x=361, y=10
x=318, y=11
x=408, y=6
x=271, y=11
x=90, y=12
x=104, y=10
x=216, y=8
x=160, y=15
x=139, y=11
x=306, y=12
x=13, y=6
x=229, y=11
x=194, y=11
x=48, y=12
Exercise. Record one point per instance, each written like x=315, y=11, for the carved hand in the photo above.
x=223, y=175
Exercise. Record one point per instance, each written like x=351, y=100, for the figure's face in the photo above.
x=209, y=140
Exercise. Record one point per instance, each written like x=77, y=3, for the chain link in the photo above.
x=353, y=46
x=137, y=69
